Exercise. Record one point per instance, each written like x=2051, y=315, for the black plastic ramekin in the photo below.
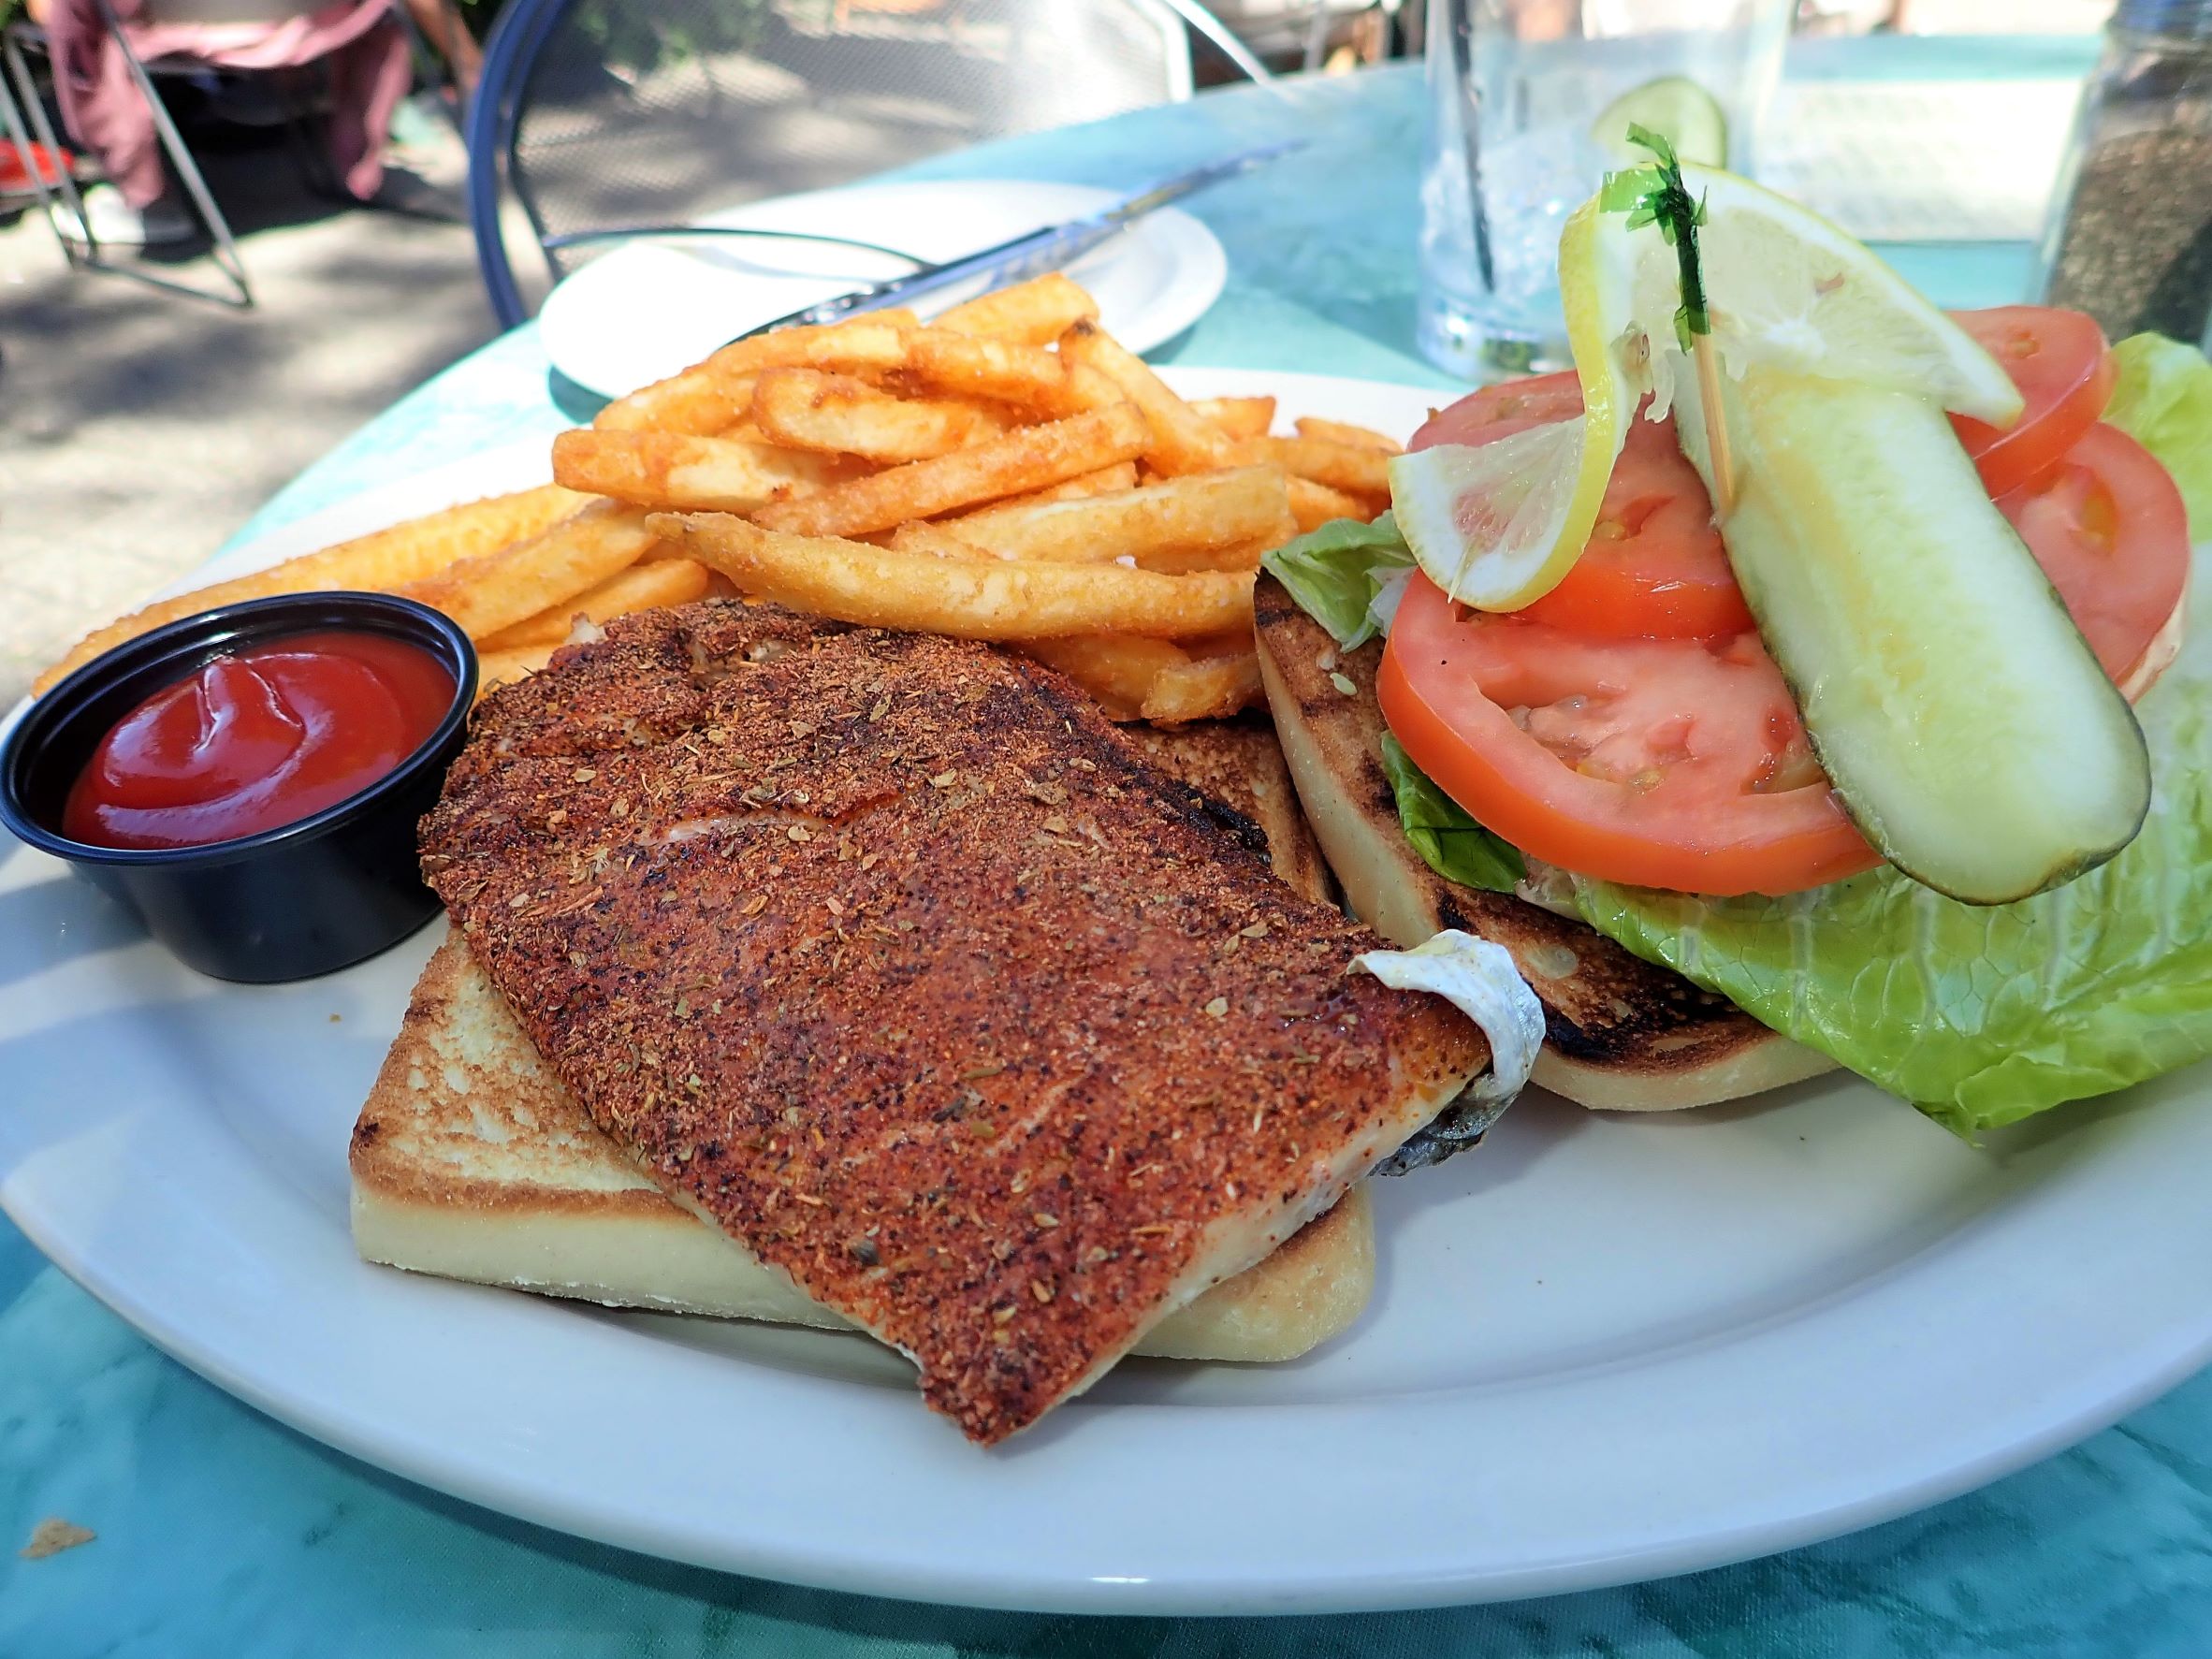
x=288, y=903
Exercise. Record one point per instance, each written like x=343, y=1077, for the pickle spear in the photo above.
x=1963, y=721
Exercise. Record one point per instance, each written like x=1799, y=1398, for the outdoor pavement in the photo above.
x=139, y=429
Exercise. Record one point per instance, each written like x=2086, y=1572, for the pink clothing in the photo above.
x=102, y=108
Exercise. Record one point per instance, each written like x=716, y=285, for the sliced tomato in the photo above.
x=1654, y=566
x=1500, y=410
x=2109, y=526
x=2058, y=360
x=1662, y=762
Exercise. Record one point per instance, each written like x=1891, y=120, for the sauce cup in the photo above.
x=329, y=890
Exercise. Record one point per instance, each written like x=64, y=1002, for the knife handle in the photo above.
x=1012, y=261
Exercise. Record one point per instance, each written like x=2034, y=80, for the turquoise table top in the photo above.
x=219, y=1533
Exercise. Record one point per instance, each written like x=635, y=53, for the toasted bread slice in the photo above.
x=471, y=1160
x=1621, y=1034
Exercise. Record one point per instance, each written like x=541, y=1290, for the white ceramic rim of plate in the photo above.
x=1175, y=1507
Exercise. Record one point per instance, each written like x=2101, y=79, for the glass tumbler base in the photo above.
x=1451, y=336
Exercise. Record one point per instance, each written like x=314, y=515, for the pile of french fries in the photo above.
x=1007, y=473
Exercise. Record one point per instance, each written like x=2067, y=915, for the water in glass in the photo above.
x=1515, y=88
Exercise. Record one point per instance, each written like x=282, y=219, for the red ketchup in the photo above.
x=258, y=739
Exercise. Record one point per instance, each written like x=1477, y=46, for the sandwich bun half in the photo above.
x=1621, y=1034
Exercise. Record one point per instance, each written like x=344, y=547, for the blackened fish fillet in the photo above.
x=886, y=955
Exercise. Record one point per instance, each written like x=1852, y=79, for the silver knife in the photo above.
x=1033, y=253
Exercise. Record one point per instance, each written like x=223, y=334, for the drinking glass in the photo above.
x=1515, y=90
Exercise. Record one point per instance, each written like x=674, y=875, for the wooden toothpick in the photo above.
x=1716, y=423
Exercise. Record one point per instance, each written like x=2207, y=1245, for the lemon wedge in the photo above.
x=1485, y=522
x=1499, y=525
x=1787, y=290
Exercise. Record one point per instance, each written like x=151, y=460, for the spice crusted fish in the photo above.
x=886, y=955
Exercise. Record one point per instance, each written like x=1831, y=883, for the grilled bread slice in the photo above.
x=1620, y=1034
x=471, y=1160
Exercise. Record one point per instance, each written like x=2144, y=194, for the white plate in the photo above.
x=1602, y=1349
x=647, y=309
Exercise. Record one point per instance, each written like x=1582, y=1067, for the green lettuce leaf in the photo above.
x=2163, y=400
x=1453, y=844
x=1982, y=1016
x=1335, y=572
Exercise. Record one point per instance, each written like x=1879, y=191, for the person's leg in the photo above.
x=368, y=78
x=103, y=108
x=440, y=23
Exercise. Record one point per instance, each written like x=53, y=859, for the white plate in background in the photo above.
x=1601, y=1348
x=647, y=309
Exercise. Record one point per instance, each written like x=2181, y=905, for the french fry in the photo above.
x=939, y=540
x=970, y=599
x=697, y=400
x=1183, y=440
x=1236, y=556
x=1028, y=459
x=1315, y=504
x=1202, y=513
x=379, y=562
x=787, y=348
x=500, y=668
x=1240, y=417
x=1204, y=688
x=712, y=396
x=1340, y=431
x=641, y=587
x=1121, y=475
x=1083, y=387
x=1117, y=669
x=1220, y=645
x=809, y=410
x=1358, y=469
x=681, y=470
x=1152, y=679
x=1030, y=313
x=1008, y=372
x=496, y=591
x=1032, y=379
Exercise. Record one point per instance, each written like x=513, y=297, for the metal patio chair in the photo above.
x=60, y=199
x=599, y=114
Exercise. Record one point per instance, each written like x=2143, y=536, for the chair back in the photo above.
x=602, y=113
